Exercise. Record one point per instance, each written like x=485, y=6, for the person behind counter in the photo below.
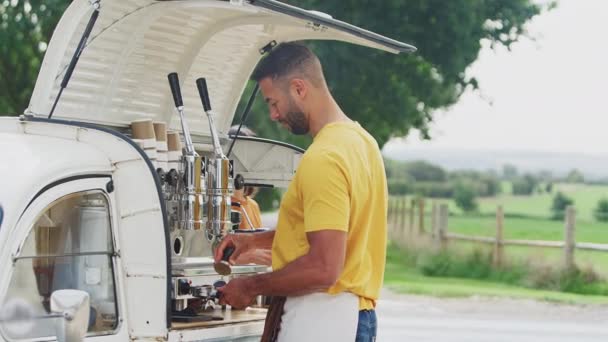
x=329, y=246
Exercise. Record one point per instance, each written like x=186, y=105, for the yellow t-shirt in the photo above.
x=340, y=184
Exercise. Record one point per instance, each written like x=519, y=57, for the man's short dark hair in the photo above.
x=290, y=59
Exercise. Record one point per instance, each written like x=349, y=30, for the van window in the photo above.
x=68, y=247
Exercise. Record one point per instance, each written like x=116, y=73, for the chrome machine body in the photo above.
x=220, y=177
x=199, y=196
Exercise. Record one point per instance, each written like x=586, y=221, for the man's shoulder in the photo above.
x=344, y=146
x=317, y=155
x=348, y=137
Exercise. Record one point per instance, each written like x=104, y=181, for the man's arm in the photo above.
x=315, y=271
x=263, y=240
x=243, y=243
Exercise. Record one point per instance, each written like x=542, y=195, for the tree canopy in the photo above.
x=25, y=30
x=387, y=94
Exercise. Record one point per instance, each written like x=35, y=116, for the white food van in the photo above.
x=107, y=234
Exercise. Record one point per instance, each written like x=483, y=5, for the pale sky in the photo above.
x=545, y=95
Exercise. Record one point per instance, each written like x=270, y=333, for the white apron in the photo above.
x=320, y=317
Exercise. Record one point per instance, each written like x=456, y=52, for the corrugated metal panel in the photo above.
x=122, y=73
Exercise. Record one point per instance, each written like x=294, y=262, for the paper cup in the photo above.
x=160, y=130
x=142, y=129
x=174, y=142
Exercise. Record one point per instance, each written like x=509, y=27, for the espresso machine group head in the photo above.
x=206, y=183
x=197, y=196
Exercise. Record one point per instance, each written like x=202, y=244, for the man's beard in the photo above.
x=296, y=120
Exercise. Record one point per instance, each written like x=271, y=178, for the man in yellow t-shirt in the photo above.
x=329, y=247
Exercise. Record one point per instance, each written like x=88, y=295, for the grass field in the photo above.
x=527, y=218
x=403, y=278
x=533, y=229
x=527, y=228
x=539, y=205
x=596, y=260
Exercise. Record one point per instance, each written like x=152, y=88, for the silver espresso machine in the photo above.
x=197, y=198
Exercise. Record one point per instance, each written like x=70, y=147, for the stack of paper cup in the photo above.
x=174, y=146
x=160, y=131
x=142, y=132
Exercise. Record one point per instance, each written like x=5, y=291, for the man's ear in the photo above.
x=299, y=88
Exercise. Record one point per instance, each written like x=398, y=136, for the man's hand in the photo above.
x=255, y=256
x=238, y=293
x=242, y=243
x=315, y=271
x=246, y=243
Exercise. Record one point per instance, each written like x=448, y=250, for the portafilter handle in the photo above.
x=223, y=267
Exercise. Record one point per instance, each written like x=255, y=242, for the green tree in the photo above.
x=25, y=29
x=268, y=199
x=601, y=210
x=464, y=197
x=575, y=176
x=484, y=183
x=524, y=185
x=558, y=207
x=422, y=171
x=399, y=187
x=509, y=171
x=397, y=170
x=545, y=176
x=389, y=95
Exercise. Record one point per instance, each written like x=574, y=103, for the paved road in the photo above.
x=419, y=318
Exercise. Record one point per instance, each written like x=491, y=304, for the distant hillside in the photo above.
x=592, y=166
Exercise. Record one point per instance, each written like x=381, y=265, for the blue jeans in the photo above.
x=368, y=324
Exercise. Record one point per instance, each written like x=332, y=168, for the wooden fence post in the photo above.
x=442, y=227
x=389, y=214
x=402, y=218
x=434, y=218
x=436, y=230
x=420, y=217
x=398, y=219
x=396, y=212
x=498, y=246
x=569, y=243
x=412, y=212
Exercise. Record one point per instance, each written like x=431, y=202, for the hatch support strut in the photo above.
x=77, y=52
